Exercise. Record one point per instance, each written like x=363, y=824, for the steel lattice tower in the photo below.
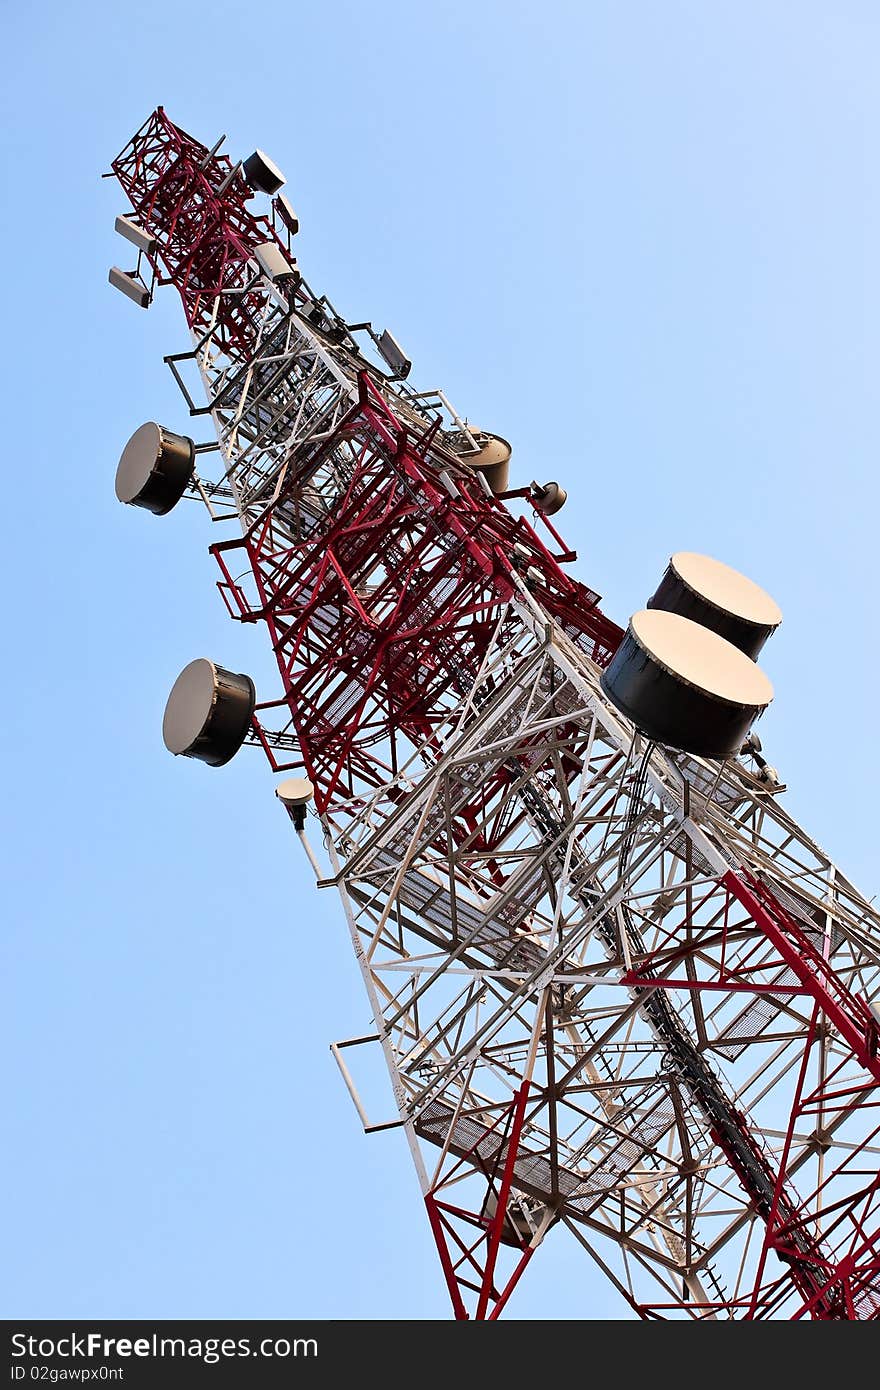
x=617, y=987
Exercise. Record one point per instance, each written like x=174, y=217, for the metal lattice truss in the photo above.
x=617, y=989
x=507, y=944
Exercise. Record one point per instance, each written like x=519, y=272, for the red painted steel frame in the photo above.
x=354, y=681
x=206, y=240
x=472, y=1264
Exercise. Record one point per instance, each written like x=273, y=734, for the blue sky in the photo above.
x=638, y=240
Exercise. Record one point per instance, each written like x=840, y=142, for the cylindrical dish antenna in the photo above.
x=718, y=597
x=208, y=713
x=262, y=174
x=154, y=468
x=685, y=686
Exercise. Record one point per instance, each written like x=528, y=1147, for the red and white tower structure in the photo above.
x=622, y=997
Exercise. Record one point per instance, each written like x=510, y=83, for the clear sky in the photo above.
x=640, y=241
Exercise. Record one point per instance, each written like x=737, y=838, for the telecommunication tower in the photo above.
x=623, y=998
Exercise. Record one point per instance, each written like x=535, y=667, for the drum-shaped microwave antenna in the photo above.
x=154, y=468
x=208, y=712
x=718, y=597
x=685, y=686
